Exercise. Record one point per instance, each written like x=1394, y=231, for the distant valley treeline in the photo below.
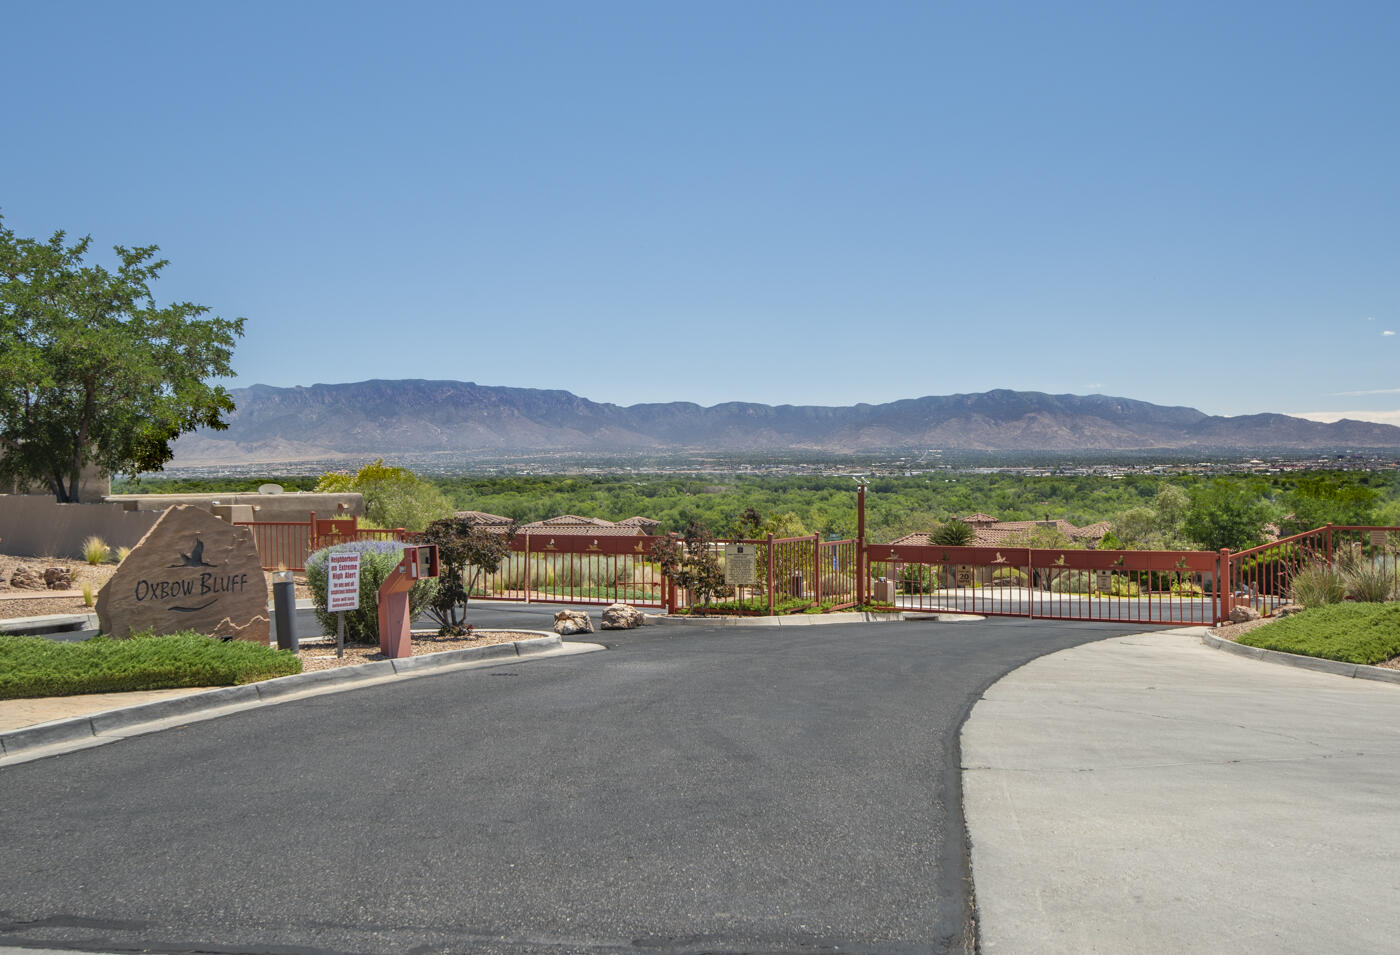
x=464, y=419
x=826, y=505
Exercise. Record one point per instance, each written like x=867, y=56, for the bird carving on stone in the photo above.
x=195, y=558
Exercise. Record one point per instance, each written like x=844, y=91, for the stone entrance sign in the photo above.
x=191, y=571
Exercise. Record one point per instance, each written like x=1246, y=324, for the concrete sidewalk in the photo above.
x=1151, y=794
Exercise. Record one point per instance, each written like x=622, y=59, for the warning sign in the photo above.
x=741, y=565
x=342, y=582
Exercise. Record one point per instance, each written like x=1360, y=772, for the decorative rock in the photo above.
x=25, y=579
x=572, y=621
x=1288, y=610
x=623, y=617
x=1242, y=614
x=191, y=571
x=58, y=578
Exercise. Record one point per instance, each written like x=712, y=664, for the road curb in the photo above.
x=1357, y=671
x=110, y=725
x=785, y=620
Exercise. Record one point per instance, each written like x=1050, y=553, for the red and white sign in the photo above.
x=342, y=582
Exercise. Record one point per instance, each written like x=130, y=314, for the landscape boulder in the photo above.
x=1242, y=614
x=58, y=578
x=191, y=571
x=623, y=617
x=25, y=579
x=572, y=621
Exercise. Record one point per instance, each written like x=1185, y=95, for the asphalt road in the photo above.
x=690, y=790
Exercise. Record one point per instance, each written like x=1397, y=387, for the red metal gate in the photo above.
x=1114, y=586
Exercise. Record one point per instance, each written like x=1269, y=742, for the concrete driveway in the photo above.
x=1148, y=794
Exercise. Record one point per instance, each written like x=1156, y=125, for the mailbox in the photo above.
x=425, y=560
x=395, y=639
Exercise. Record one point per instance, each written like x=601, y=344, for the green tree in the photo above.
x=92, y=370
x=1225, y=514
x=394, y=497
x=1327, y=499
x=1170, y=504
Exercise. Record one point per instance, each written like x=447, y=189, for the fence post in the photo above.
x=772, y=576
x=310, y=539
x=1223, y=586
x=862, y=576
x=817, y=567
x=528, y=569
x=1030, y=585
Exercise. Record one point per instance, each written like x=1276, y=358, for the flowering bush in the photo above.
x=377, y=561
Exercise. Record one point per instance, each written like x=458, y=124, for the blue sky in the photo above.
x=810, y=203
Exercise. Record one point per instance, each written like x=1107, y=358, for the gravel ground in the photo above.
x=321, y=656
x=19, y=602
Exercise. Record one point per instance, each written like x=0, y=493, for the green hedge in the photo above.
x=1351, y=632
x=37, y=666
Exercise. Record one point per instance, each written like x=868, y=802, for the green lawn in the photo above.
x=1350, y=632
x=35, y=666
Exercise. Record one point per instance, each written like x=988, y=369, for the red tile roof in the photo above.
x=1002, y=533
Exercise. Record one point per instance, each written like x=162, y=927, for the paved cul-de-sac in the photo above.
x=690, y=789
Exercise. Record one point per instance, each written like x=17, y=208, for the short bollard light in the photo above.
x=284, y=604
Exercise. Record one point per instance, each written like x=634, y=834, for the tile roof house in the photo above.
x=573, y=524
x=481, y=517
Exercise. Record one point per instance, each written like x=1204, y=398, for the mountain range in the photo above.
x=373, y=418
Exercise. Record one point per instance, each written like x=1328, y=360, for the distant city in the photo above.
x=826, y=464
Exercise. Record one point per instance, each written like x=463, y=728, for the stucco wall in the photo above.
x=292, y=506
x=34, y=526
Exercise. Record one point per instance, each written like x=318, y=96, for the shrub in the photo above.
x=87, y=594
x=918, y=579
x=95, y=550
x=1365, y=633
x=1013, y=576
x=1318, y=584
x=1186, y=588
x=517, y=573
x=691, y=562
x=37, y=666
x=1371, y=581
x=1267, y=572
x=122, y=553
x=466, y=552
x=1073, y=582
x=377, y=560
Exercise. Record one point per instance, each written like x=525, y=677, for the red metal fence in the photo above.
x=282, y=545
x=1262, y=577
x=1137, y=586
x=285, y=545
x=571, y=568
x=1157, y=587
